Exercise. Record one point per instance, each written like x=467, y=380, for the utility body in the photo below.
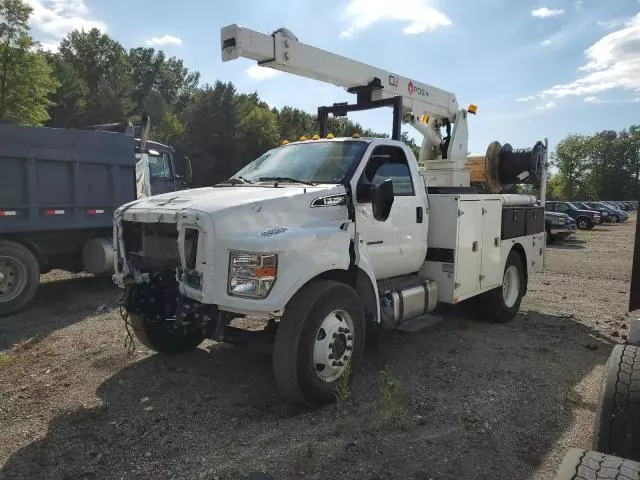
x=332, y=238
x=59, y=189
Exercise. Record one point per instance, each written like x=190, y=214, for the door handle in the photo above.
x=419, y=215
x=474, y=246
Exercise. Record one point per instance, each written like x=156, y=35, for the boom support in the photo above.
x=427, y=108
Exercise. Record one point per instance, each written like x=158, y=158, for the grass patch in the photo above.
x=391, y=403
x=6, y=359
x=342, y=385
x=29, y=343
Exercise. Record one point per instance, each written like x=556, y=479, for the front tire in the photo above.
x=160, y=336
x=614, y=219
x=584, y=223
x=19, y=277
x=501, y=304
x=586, y=464
x=322, y=329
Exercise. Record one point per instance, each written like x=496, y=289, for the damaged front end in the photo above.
x=156, y=266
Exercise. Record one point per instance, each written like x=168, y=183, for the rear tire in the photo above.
x=617, y=422
x=501, y=304
x=614, y=219
x=160, y=337
x=587, y=464
x=310, y=342
x=19, y=277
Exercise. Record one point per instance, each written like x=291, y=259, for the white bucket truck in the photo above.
x=332, y=238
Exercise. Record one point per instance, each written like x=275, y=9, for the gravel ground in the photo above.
x=462, y=400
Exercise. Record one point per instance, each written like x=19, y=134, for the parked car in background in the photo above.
x=604, y=213
x=585, y=219
x=558, y=225
x=615, y=215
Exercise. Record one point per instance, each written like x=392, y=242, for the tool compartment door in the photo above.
x=469, y=248
x=490, y=270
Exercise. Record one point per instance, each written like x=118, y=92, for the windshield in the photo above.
x=160, y=166
x=317, y=162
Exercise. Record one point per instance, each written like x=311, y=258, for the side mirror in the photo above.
x=187, y=174
x=382, y=200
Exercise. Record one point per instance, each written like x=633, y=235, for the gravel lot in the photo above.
x=462, y=400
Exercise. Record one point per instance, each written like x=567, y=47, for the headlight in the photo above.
x=251, y=274
x=558, y=221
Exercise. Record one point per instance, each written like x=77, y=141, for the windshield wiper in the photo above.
x=286, y=179
x=235, y=181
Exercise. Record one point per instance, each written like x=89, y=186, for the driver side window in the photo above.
x=388, y=162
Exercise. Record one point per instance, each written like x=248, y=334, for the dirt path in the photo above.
x=463, y=400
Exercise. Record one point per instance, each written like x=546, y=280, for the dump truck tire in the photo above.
x=501, y=304
x=19, y=277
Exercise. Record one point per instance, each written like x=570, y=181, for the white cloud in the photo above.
x=613, y=63
x=578, y=4
x=611, y=24
x=527, y=99
x=545, y=12
x=166, y=40
x=546, y=105
x=418, y=17
x=260, y=73
x=54, y=19
x=546, y=43
x=592, y=99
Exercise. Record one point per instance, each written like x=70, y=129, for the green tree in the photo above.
x=571, y=159
x=69, y=100
x=257, y=132
x=25, y=77
x=102, y=64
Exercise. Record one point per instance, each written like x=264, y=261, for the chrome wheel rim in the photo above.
x=13, y=278
x=333, y=345
x=510, y=286
x=583, y=224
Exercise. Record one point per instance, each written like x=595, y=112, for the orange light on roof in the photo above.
x=355, y=135
x=285, y=142
x=424, y=119
x=315, y=137
x=472, y=109
x=303, y=138
x=330, y=136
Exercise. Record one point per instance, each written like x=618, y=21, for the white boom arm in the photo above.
x=283, y=51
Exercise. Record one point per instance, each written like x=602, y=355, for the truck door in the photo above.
x=399, y=245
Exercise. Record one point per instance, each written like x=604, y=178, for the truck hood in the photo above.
x=264, y=205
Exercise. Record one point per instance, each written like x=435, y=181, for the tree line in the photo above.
x=603, y=166
x=93, y=79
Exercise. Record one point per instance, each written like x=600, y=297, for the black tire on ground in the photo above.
x=617, y=427
x=589, y=465
x=19, y=276
x=299, y=329
x=492, y=304
x=584, y=223
x=160, y=337
x=614, y=218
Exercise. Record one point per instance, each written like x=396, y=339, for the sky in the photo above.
x=536, y=69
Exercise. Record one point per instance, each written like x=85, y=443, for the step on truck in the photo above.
x=334, y=238
x=59, y=189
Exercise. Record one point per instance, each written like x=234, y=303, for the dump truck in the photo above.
x=59, y=189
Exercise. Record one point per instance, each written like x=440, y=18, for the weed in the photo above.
x=6, y=359
x=391, y=402
x=342, y=385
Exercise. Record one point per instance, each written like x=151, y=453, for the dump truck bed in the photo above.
x=62, y=179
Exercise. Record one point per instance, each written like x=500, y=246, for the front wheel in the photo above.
x=162, y=336
x=584, y=223
x=614, y=219
x=320, y=339
x=501, y=304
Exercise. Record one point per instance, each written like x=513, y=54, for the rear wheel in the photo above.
x=19, y=276
x=614, y=218
x=617, y=428
x=320, y=339
x=162, y=336
x=501, y=304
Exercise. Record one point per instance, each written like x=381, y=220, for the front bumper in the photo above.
x=563, y=230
